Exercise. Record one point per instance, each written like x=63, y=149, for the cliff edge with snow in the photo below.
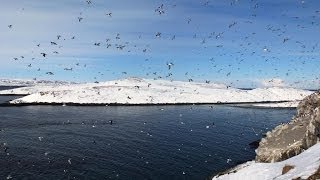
x=290, y=151
x=288, y=140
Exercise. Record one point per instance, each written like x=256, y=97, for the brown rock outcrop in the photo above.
x=288, y=140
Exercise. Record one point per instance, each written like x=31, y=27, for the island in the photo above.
x=138, y=91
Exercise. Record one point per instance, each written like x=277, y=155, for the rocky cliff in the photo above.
x=288, y=140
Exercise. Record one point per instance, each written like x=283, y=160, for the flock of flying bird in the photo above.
x=246, y=44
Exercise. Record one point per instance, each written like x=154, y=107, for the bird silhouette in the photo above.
x=189, y=20
x=170, y=65
x=80, y=19
x=160, y=9
x=285, y=40
x=109, y=14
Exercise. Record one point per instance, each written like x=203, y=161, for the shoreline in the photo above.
x=232, y=104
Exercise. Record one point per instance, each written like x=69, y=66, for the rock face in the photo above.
x=288, y=140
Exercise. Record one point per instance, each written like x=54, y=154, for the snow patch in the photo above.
x=291, y=104
x=305, y=165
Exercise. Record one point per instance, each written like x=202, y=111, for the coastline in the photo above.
x=233, y=104
x=238, y=166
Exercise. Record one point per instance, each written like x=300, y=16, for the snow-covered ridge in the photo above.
x=146, y=91
x=304, y=165
x=28, y=82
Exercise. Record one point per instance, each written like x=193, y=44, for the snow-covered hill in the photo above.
x=145, y=91
x=28, y=82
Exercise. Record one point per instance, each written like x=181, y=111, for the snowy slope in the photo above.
x=305, y=165
x=278, y=105
x=28, y=82
x=145, y=91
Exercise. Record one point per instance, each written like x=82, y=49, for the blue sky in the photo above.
x=238, y=42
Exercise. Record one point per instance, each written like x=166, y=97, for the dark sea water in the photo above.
x=4, y=99
x=8, y=87
x=145, y=142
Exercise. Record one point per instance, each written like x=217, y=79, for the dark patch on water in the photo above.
x=6, y=99
x=8, y=87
